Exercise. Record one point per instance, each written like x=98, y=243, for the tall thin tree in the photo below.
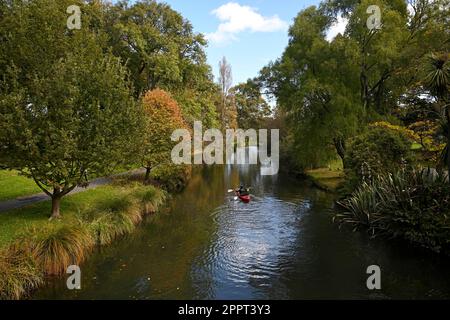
x=225, y=81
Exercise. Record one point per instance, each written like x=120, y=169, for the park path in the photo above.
x=35, y=198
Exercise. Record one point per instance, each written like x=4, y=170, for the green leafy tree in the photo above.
x=252, y=108
x=316, y=85
x=157, y=43
x=63, y=128
x=331, y=89
x=66, y=110
x=161, y=50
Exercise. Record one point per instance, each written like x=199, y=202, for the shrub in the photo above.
x=172, y=177
x=378, y=151
x=409, y=205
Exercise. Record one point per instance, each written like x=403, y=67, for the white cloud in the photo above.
x=337, y=28
x=236, y=18
x=411, y=10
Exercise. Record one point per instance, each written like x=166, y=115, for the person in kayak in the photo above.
x=243, y=191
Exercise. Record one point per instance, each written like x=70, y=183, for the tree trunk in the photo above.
x=447, y=114
x=339, y=144
x=56, y=202
x=147, y=175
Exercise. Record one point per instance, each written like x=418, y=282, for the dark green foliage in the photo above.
x=375, y=152
x=331, y=89
x=172, y=177
x=250, y=105
x=161, y=50
x=66, y=108
x=411, y=205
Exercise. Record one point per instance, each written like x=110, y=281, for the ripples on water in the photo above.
x=249, y=247
x=282, y=245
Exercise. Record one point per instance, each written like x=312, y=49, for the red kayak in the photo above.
x=244, y=198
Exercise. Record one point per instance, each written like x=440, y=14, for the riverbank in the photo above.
x=282, y=245
x=326, y=179
x=32, y=248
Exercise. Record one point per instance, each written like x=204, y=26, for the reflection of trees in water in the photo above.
x=253, y=243
x=162, y=250
x=282, y=245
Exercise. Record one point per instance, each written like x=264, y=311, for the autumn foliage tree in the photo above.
x=162, y=116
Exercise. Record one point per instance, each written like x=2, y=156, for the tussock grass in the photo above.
x=89, y=219
x=61, y=248
x=115, y=218
x=20, y=272
x=152, y=198
x=111, y=225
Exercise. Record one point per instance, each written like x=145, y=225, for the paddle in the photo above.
x=232, y=190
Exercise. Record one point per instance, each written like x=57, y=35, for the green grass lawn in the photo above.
x=329, y=178
x=12, y=185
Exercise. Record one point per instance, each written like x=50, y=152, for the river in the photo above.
x=282, y=245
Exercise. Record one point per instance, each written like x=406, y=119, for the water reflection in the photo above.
x=282, y=245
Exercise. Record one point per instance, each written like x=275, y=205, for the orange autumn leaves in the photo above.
x=163, y=117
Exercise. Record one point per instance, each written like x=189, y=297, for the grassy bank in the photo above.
x=32, y=248
x=328, y=179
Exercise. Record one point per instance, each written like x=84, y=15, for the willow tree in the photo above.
x=66, y=110
x=316, y=85
x=331, y=89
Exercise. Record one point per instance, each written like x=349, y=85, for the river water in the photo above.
x=282, y=245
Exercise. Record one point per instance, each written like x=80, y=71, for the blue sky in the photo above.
x=249, y=33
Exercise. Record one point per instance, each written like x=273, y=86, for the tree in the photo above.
x=163, y=117
x=65, y=127
x=315, y=83
x=331, y=89
x=66, y=110
x=227, y=105
x=437, y=80
x=161, y=50
x=252, y=108
x=157, y=44
x=199, y=99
